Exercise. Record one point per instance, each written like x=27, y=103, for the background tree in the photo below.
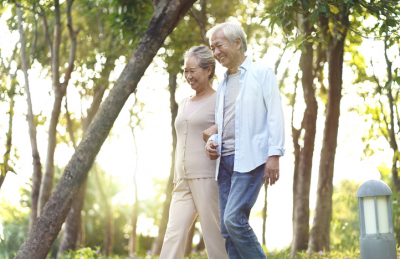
x=58, y=88
x=101, y=50
x=37, y=166
x=46, y=228
x=333, y=20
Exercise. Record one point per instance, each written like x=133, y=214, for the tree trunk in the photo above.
x=74, y=224
x=319, y=238
x=133, y=235
x=109, y=220
x=37, y=166
x=391, y=130
x=301, y=202
x=189, y=239
x=201, y=20
x=59, y=92
x=6, y=157
x=158, y=242
x=264, y=214
x=136, y=205
x=45, y=230
x=295, y=137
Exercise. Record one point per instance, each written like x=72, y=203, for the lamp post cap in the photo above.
x=373, y=188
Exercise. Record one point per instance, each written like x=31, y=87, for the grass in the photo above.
x=88, y=253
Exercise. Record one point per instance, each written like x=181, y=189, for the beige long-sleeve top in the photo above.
x=191, y=160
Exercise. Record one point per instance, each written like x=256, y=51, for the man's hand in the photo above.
x=271, y=170
x=209, y=132
x=211, y=150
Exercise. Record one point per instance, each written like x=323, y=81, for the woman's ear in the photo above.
x=209, y=70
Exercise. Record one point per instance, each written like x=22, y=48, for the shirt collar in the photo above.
x=244, y=66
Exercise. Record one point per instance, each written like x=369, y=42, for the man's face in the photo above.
x=224, y=52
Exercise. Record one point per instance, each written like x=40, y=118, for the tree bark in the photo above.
x=162, y=228
x=37, y=166
x=301, y=202
x=319, y=237
x=59, y=92
x=45, y=230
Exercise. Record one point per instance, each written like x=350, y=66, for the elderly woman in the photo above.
x=196, y=191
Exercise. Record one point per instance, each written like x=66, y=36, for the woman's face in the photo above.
x=195, y=75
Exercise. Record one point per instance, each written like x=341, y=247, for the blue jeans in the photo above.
x=237, y=194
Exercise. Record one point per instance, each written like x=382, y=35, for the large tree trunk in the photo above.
x=319, y=238
x=59, y=92
x=37, y=167
x=301, y=206
x=47, y=226
x=162, y=228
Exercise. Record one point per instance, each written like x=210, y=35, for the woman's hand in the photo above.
x=209, y=132
x=211, y=150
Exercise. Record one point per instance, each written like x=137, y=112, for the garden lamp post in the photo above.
x=377, y=240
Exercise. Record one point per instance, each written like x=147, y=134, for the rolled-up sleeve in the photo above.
x=275, y=118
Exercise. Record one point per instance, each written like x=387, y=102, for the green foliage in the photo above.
x=130, y=18
x=284, y=14
x=387, y=177
x=345, y=226
x=14, y=221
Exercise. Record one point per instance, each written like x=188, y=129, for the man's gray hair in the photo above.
x=232, y=31
x=204, y=57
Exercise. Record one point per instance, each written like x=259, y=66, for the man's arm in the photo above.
x=276, y=127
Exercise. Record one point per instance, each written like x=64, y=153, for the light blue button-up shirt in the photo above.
x=259, y=122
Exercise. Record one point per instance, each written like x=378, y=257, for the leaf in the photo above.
x=397, y=79
x=305, y=4
x=319, y=40
x=334, y=9
x=346, y=1
x=391, y=23
x=302, y=48
x=314, y=14
x=322, y=8
x=288, y=3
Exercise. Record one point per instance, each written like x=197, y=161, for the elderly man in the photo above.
x=250, y=137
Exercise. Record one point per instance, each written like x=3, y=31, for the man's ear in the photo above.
x=238, y=43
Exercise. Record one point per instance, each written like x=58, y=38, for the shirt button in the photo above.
x=185, y=133
x=183, y=160
x=183, y=147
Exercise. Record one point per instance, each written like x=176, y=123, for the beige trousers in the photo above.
x=192, y=197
